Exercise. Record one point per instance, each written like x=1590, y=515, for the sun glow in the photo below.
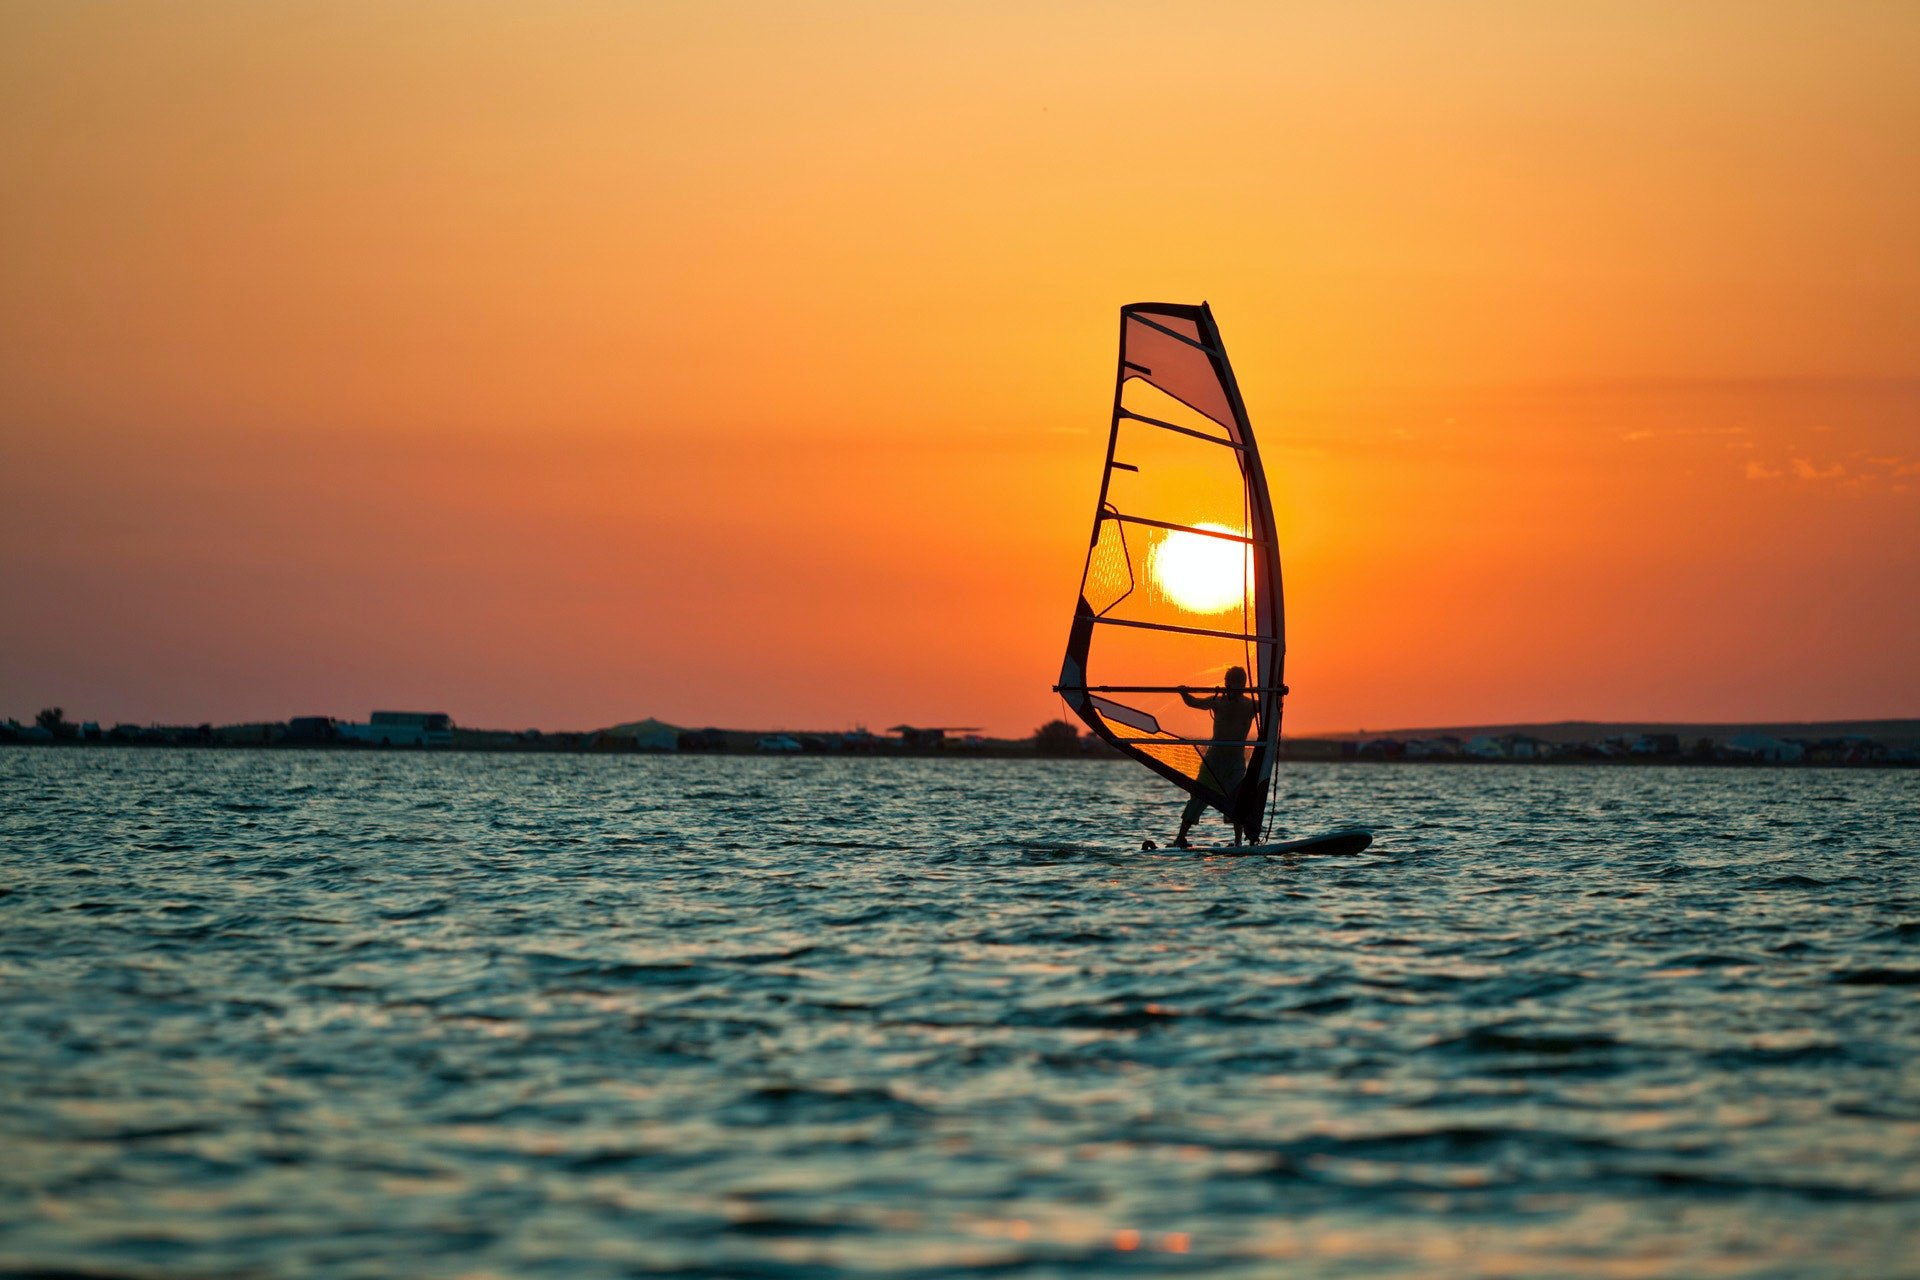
x=1202, y=574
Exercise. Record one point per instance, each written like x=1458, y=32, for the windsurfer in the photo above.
x=1224, y=763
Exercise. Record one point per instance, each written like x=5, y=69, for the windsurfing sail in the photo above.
x=1182, y=579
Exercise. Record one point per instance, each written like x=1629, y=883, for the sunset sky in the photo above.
x=561, y=364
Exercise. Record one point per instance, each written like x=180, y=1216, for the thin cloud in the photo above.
x=1805, y=470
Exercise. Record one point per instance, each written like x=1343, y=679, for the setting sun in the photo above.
x=1202, y=574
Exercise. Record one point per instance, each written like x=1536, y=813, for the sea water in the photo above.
x=281, y=1013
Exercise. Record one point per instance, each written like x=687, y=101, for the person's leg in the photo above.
x=1190, y=815
x=1220, y=768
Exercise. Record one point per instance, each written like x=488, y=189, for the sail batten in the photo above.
x=1144, y=688
x=1249, y=637
x=1165, y=614
x=1224, y=534
x=1192, y=342
x=1186, y=742
x=1189, y=431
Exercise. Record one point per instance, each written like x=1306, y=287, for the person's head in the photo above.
x=1236, y=680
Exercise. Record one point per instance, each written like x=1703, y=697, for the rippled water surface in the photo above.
x=280, y=1013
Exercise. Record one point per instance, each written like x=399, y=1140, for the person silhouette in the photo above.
x=1225, y=762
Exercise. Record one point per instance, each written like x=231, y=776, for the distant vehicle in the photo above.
x=861, y=741
x=779, y=742
x=402, y=729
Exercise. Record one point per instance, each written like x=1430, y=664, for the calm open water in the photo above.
x=290, y=1014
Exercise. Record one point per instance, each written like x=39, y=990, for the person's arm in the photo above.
x=1198, y=704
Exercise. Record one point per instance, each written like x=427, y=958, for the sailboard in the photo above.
x=1182, y=577
x=1332, y=844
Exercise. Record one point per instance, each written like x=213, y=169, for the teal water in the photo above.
x=276, y=1014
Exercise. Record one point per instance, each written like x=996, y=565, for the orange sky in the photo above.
x=749, y=364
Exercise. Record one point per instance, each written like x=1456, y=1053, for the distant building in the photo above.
x=256, y=734
x=647, y=735
x=918, y=739
x=1758, y=746
x=308, y=729
x=1853, y=749
x=779, y=742
x=654, y=735
x=402, y=729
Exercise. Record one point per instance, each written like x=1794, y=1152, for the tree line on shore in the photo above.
x=1059, y=739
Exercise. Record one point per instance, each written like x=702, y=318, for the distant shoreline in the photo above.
x=1882, y=743
x=1305, y=751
